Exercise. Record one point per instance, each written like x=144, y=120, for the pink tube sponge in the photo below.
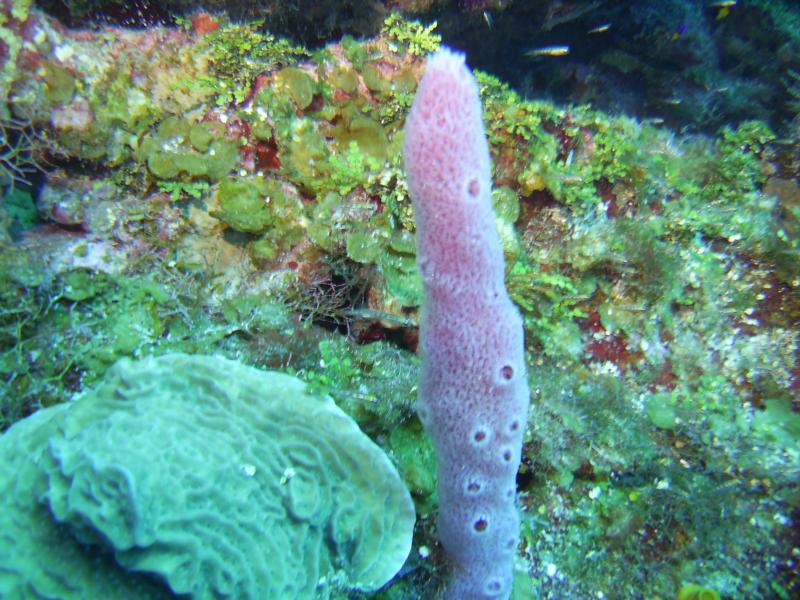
x=473, y=397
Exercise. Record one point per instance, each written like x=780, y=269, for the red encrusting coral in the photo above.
x=204, y=23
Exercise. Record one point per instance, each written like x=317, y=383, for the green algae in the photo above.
x=411, y=36
x=180, y=149
x=366, y=133
x=59, y=84
x=243, y=204
x=417, y=460
x=300, y=86
x=237, y=52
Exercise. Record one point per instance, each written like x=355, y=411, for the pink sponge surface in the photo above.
x=473, y=392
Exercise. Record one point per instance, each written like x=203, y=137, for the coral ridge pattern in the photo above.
x=211, y=478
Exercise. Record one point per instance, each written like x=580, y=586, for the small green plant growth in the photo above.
x=237, y=53
x=12, y=42
x=738, y=168
x=336, y=370
x=413, y=449
x=351, y=168
x=694, y=591
x=178, y=190
x=354, y=51
x=550, y=305
x=306, y=155
x=61, y=333
x=565, y=165
x=119, y=110
x=393, y=252
x=122, y=113
x=659, y=511
x=244, y=203
x=410, y=36
x=393, y=189
x=298, y=84
x=374, y=383
x=23, y=304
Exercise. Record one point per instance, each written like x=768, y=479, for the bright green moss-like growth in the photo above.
x=738, y=169
x=411, y=36
x=374, y=383
x=414, y=451
x=237, y=52
x=213, y=478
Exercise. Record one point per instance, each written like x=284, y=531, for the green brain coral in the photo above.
x=208, y=476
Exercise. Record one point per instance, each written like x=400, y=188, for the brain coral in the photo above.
x=217, y=479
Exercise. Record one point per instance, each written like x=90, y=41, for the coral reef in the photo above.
x=655, y=266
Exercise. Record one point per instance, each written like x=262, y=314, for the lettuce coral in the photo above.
x=207, y=476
